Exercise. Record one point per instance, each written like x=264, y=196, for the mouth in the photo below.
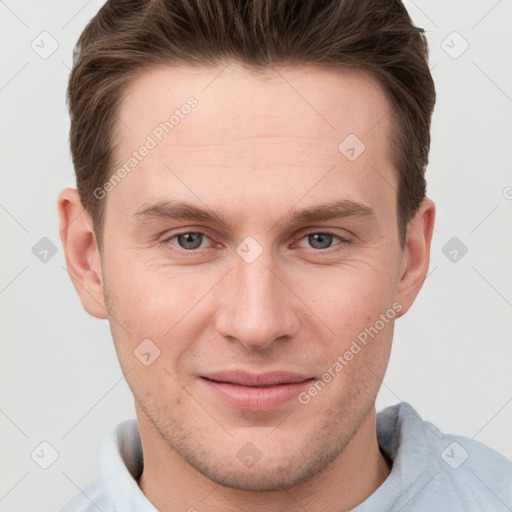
x=253, y=392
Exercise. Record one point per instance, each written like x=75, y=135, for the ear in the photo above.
x=416, y=254
x=81, y=251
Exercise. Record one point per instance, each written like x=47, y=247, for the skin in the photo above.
x=256, y=147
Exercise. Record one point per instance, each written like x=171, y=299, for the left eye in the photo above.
x=322, y=240
x=193, y=240
x=189, y=240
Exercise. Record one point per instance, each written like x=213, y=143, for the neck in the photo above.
x=172, y=484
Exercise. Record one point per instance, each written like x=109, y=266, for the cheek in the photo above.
x=150, y=331
x=149, y=297
x=348, y=299
x=164, y=305
x=356, y=357
x=357, y=340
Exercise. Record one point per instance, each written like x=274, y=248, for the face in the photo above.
x=293, y=262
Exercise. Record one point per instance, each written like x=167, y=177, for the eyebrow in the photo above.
x=171, y=209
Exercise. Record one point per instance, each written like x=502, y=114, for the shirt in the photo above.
x=431, y=471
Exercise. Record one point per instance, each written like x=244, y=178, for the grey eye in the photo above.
x=320, y=240
x=190, y=240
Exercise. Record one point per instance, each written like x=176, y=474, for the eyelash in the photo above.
x=197, y=252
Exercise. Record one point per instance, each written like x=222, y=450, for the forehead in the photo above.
x=254, y=133
x=290, y=101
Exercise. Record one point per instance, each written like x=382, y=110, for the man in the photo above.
x=251, y=218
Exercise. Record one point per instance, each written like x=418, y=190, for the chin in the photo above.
x=261, y=478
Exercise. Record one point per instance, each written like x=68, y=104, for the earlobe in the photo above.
x=416, y=254
x=81, y=252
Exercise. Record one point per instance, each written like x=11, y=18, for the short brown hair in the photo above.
x=127, y=37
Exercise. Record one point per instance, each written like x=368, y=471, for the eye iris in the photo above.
x=320, y=240
x=190, y=240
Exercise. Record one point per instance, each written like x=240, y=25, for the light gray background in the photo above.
x=452, y=353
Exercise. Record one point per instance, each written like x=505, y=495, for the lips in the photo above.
x=256, y=392
x=261, y=380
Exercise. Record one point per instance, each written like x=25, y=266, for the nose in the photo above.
x=257, y=306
